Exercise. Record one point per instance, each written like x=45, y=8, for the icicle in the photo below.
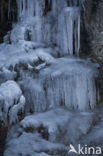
x=75, y=2
x=9, y=7
x=70, y=30
x=77, y=52
x=65, y=33
x=35, y=96
x=65, y=83
x=24, y=6
x=98, y=95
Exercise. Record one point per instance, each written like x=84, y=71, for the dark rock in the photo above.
x=3, y=134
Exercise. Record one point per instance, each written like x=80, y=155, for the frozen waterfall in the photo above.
x=53, y=25
x=47, y=93
x=67, y=82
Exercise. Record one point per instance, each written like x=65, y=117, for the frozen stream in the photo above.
x=48, y=95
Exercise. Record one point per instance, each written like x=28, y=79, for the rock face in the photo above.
x=8, y=13
x=3, y=134
x=92, y=31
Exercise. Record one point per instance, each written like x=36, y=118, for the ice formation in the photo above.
x=37, y=80
x=68, y=82
x=35, y=96
x=50, y=132
x=44, y=22
x=62, y=83
x=69, y=25
x=11, y=102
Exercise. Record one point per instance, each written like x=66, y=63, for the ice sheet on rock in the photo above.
x=76, y=2
x=11, y=101
x=95, y=136
x=30, y=144
x=61, y=84
x=35, y=95
x=60, y=125
x=16, y=54
x=22, y=55
x=18, y=33
x=27, y=45
x=6, y=74
x=44, y=55
x=70, y=82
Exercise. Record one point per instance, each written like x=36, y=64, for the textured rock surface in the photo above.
x=3, y=134
x=92, y=32
x=5, y=18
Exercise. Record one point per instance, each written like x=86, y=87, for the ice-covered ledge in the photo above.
x=68, y=82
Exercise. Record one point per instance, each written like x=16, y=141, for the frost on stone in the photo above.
x=23, y=52
x=32, y=144
x=17, y=33
x=60, y=125
x=50, y=132
x=6, y=74
x=11, y=102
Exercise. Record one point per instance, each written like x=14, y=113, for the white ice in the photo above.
x=62, y=30
x=11, y=101
x=50, y=132
x=70, y=82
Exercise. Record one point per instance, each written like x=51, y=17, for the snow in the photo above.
x=30, y=144
x=59, y=121
x=49, y=132
x=6, y=74
x=53, y=131
x=17, y=53
x=11, y=101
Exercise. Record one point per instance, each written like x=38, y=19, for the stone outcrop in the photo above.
x=7, y=16
x=92, y=28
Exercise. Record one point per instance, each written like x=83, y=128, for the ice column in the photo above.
x=69, y=36
x=54, y=21
x=9, y=7
x=25, y=8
